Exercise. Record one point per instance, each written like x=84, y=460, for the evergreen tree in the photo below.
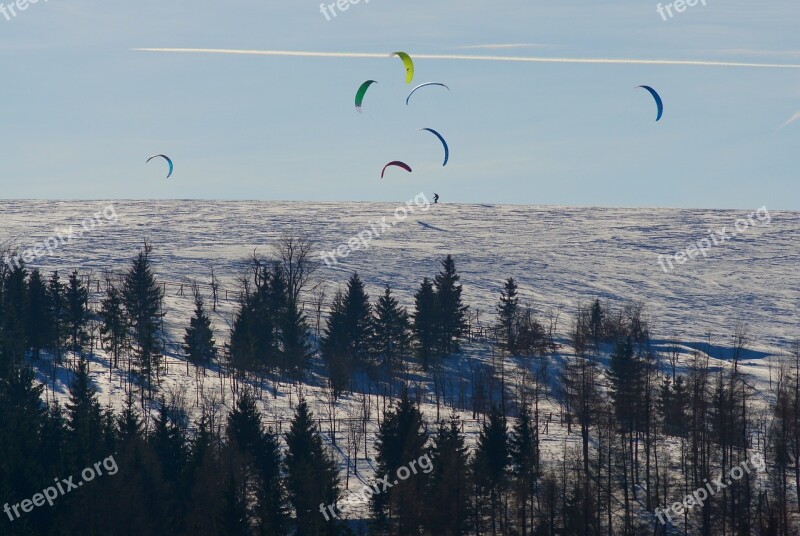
x=452, y=312
x=490, y=466
x=39, y=320
x=447, y=508
x=59, y=312
x=14, y=312
x=233, y=517
x=334, y=347
x=390, y=332
x=142, y=298
x=77, y=314
x=507, y=310
x=312, y=479
x=198, y=340
x=523, y=447
x=596, y=320
x=84, y=419
x=21, y=418
x=114, y=324
x=357, y=318
x=260, y=453
x=296, y=351
x=426, y=324
x=169, y=444
x=401, y=440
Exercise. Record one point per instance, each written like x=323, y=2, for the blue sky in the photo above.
x=82, y=111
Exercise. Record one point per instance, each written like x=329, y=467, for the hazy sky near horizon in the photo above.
x=82, y=111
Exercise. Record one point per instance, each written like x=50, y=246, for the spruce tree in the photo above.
x=198, y=340
x=59, y=312
x=77, y=298
x=452, y=312
x=142, y=298
x=357, y=317
x=390, y=332
x=507, y=310
x=426, y=324
x=596, y=320
x=447, y=508
x=334, y=347
x=14, y=312
x=39, y=320
x=114, y=324
x=296, y=350
x=401, y=440
x=84, y=418
x=312, y=479
x=262, y=464
x=490, y=466
x=524, y=457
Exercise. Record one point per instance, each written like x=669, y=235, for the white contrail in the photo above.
x=610, y=61
x=791, y=120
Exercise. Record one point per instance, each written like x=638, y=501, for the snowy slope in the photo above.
x=559, y=255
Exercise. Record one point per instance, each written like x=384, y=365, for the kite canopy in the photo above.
x=444, y=143
x=424, y=85
x=409, y=63
x=659, y=102
x=361, y=92
x=165, y=157
x=396, y=164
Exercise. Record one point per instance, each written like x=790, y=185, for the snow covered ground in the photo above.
x=560, y=256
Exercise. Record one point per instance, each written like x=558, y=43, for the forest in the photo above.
x=601, y=428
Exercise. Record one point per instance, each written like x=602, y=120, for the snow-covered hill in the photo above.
x=559, y=255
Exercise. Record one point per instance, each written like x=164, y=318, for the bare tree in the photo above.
x=294, y=250
x=214, y=290
x=319, y=293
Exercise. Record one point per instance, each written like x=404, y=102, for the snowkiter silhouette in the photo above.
x=435, y=198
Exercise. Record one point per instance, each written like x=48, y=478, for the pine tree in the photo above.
x=426, y=324
x=142, y=298
x=262, y=465
x=114, y=324
x=596, y=320
x=296, y=350
x=523, y=446
x=390, y=332
x=39, y=320
x=334, y=347
x=490, y=466
x=233, y=517
x=447, y=508
x=311, y=476
x=452, y=311
x=357, y=318
x=401, y=440
x=198, y=340
x=169, y=444
x=77, y=298
x=59, y=313
x=84, y=418
x=507, y=310
x=14, y=312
